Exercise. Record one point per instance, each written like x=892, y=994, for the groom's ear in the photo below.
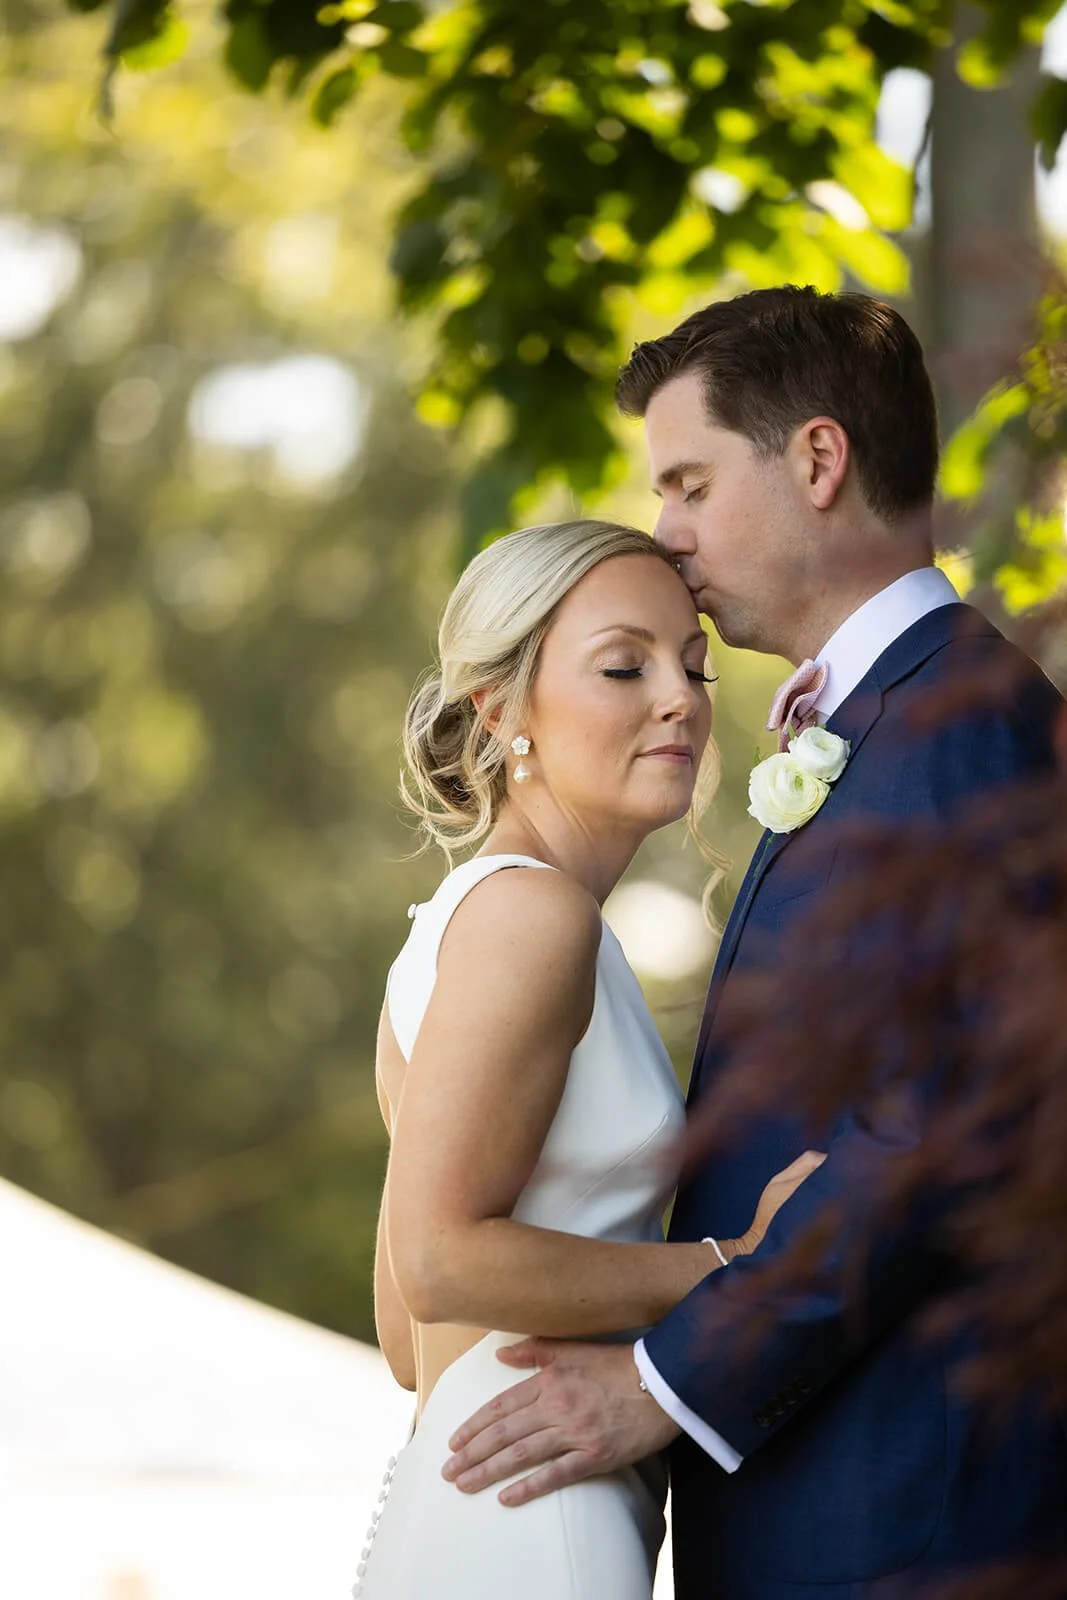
x=823, y=452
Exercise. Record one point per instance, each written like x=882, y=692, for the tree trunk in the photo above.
x=984, y=264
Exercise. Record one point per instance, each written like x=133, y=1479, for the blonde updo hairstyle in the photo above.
x=489, y=641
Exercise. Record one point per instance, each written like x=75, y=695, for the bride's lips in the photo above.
x=682, y=753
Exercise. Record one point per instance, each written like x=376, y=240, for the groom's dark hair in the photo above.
x=773, y=359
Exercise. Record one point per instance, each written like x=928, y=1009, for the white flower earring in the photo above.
x=521, y=747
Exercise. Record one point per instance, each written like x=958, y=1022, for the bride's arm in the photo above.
x=391, y=1316
x=514, y=993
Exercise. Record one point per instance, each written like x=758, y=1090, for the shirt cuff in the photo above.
x=712, y=1443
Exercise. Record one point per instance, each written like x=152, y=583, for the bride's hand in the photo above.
x=778, y=1191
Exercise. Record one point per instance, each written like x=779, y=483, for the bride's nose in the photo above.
x=679, y=701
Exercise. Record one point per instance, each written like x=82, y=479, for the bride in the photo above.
x=534, y=1116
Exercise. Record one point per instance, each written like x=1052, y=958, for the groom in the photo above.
x=793, y=440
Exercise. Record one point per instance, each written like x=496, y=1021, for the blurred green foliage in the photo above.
x=204, y=667
x=1003, y=473
x=575, y=154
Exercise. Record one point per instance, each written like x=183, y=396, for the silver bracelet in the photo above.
x=717, y=1249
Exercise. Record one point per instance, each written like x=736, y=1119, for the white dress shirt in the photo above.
x=849, y=654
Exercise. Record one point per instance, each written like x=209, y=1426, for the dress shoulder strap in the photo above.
x=414, y=971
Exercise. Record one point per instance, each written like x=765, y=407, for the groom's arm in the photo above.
x=712, y=1443
x=745, y=1352
x=704, y=1372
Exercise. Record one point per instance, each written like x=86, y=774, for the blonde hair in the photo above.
x=489, y=641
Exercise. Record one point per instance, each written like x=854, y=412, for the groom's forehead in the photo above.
x=678, y=403
x=679, y=434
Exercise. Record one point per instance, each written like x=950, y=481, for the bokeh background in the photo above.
x=234, y=495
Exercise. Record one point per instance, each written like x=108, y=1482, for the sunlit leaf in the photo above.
x=689, y=233
x=346, y=11
x=708, y=71
x=1039, y=568
x=882, y=186
x=878, y=262
x=166, y=46
x=965, y=456
x=980, y=65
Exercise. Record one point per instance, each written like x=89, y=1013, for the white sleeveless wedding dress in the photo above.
x=606, y=1172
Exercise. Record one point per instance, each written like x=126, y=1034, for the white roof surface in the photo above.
x=162, y=1438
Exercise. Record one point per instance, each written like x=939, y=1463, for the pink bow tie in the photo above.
x=793, y=707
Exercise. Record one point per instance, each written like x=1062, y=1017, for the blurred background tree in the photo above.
x=232, y=501
x=224, y=539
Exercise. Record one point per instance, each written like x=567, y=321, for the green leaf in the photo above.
x=402, y=60
x=708, y=71
x=967, y=452
x=333, y=94
x=160, y=50
x=399, y=16
x=980, y=64
x=1049, y=118
x=883, y=187
x=984, y=61
x=248, y=53
x=1038, y=570
x=879, y=262
x=136, y=23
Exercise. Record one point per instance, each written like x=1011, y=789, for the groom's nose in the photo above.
x=670, y=532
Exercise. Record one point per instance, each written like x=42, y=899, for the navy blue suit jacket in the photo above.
x=865, y=1472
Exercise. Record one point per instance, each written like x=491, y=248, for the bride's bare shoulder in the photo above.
x=526, y=913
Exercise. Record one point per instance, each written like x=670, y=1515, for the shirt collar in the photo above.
x=860, y=640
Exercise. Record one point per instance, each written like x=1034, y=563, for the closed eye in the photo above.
x=692, y=673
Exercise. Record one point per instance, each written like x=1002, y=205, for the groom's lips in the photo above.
x=672, y=752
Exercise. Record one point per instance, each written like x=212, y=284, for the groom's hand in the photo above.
x=582, y=1414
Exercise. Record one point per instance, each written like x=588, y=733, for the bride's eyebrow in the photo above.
x=626, y=627
x=644, y=634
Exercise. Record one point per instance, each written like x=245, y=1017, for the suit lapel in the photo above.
x=853, y=720
x=730, y=935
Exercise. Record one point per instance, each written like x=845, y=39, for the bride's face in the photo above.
x=619, y=715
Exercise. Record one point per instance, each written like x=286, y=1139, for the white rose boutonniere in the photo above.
x=822, y=754
x=786, y=790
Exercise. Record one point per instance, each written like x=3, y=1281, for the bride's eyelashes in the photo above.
x=627, y=673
